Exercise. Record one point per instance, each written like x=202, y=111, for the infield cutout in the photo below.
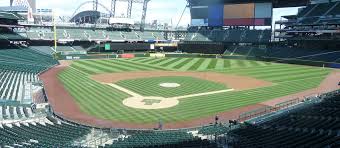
x=170, y=85
x=149, y=102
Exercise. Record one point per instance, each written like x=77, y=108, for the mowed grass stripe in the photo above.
x=145, y=65
x=145, y=60
x=290, y=72
x=241, y=63
x=124, y=63
x=227, y=64
x=101, y=68
x=111, y=62
x=160, y=61
x=183, y=63
x=257, y=69
x=110, y=68
x=115, y=66
x=248, y=63
x=172, y=65
x=196, y=65
x=189, y=64
x=83, y=69
x=138, y=59
x=277, y=72
x=220, y=64
x=234, y=64
x=154, y=60
x=212, y=64
x=167, y=63
x=86, y=66
x=299, y=76
x=204, y=65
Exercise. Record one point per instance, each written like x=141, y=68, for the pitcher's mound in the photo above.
x=170, y=85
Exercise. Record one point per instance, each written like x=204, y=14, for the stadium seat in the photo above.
x=315, y=125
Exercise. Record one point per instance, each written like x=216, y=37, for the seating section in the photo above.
x=317, y=125
x=43, y=49
x=320, y=9
x=232, y=35
x=335, y=11
x=12, y=84
x=44, y=134
x=89, y=34
x=18, y=67
x=306, y=10
x=11, y=36
x=323, y=13
x=164, y=139
x=332, y=56
x=305, y=54
x=15, y=112
x=7, y=34
x=78, y=48
x=214, y=129
x=25, y=60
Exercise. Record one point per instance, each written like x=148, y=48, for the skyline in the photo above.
x=163, y=11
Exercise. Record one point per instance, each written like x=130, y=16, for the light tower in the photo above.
x=95, y=5
x=26, y=3
x=129, y=10
x=145, y=8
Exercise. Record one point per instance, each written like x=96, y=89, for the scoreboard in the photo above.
x=246, y=14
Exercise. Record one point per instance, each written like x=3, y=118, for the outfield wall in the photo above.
x=198, y=55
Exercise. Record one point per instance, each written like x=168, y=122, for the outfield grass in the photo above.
x=106, y=102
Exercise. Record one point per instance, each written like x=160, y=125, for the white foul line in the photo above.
x=124, y=90
x=201, y=94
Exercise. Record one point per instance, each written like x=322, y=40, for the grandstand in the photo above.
x=15, y=112
x=161, y=139
x=230, y=35
x=87, y=34
x=313, y=125
x=236, y=85
x=45, y=133
x=319, y=21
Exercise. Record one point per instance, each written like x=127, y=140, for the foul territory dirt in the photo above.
x=64, y=105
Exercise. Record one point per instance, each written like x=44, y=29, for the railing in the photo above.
x=287, y=105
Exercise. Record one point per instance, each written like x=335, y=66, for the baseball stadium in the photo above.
x=235, y=77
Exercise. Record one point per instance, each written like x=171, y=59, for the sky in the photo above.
x=165, y=11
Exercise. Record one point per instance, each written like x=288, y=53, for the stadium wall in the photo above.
x=202, y=47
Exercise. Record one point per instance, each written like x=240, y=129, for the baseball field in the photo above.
x=147, y=90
